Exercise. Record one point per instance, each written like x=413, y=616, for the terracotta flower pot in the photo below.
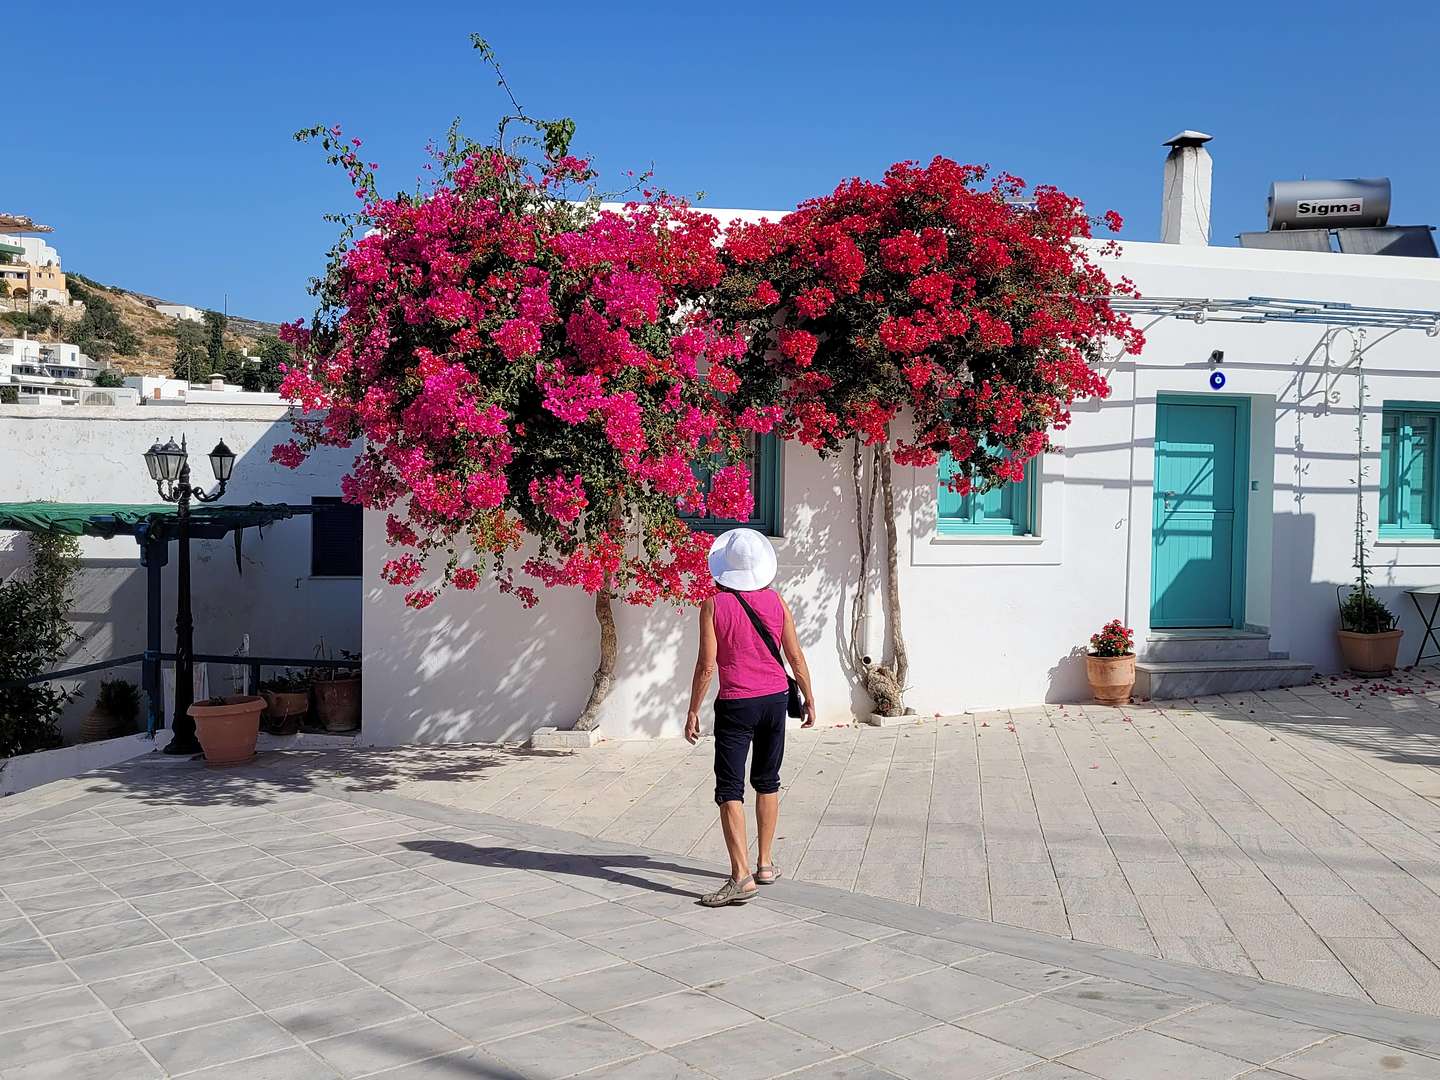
x=1111, y=677
x=227, y=728
x=101, y=724
x=337, y=703
x=1370, y=654
x=285, y=711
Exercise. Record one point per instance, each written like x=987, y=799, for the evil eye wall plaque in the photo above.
x=1217, y=380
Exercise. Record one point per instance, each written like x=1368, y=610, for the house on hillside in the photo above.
x=181, y=311
x=1210, y=502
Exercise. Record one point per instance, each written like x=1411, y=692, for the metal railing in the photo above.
x=151, y=676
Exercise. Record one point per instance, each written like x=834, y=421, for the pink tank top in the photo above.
x=746, y=667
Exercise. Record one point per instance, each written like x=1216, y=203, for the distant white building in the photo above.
x=181, y=311
x=34, y=250
x=46, y=370
x=159, y=390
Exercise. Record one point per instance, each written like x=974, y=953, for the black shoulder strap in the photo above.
x=761, y=629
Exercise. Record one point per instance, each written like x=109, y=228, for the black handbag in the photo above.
x=795, y=703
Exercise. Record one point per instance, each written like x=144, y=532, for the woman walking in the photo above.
x=743, y=631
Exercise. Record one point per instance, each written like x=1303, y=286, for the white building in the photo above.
x=181, y=311
x=46, y=371
x=1000, y=597
x=35, y=251
x=295, y=587
x=159, y=390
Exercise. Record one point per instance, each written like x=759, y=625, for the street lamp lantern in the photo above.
x=222, y=461
x=170, y=460
x=152, y=460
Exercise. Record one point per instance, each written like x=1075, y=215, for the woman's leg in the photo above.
x=732, y=823
x=767, y=813
x=765, y=774
x=734, y=728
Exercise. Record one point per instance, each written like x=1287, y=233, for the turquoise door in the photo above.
x=1201, y=478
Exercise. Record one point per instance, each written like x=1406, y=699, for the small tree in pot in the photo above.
x=1110, y=663
x=1369, y=641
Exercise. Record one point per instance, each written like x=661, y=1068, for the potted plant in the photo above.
x=337, y=693
x=116, y=707
x=1369, y=641
x=1110, y=663
x=287, y=700
x=227, y=727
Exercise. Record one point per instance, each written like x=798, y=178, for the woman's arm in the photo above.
x=790, y=642
x=704, y=670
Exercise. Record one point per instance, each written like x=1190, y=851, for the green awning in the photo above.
x=159, y=521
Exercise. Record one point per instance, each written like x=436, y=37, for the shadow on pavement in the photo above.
x=604, y=867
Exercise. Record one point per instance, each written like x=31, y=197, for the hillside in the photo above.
x=154, y=333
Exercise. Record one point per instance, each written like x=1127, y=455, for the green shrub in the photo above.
x=120, y=698
x=291, y=682
x=1363, y=613
x=34, y=633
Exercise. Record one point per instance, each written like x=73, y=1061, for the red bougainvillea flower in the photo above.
x=525, y=369
x=974, y=308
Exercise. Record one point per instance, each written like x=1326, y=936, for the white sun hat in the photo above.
x=743, y=560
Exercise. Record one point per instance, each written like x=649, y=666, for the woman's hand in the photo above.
x=809, y=713
x=692, y=728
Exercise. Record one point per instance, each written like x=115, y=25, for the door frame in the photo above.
x=1239, y=540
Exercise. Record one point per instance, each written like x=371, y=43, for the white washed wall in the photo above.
x=94, y=455
x=994, y=622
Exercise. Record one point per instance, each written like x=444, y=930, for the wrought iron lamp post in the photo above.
x=169, y=467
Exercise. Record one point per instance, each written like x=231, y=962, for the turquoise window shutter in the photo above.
x=1008, y=510
x=766, y=467
x=1408, y=472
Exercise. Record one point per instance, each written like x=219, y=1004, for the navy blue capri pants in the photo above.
x=743, y=723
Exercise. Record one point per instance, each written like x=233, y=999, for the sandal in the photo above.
x=732, y=892
x=767, y=875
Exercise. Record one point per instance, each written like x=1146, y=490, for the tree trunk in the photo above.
x=879, y=680
x=860, y=602
x=605, y=670
x=899, y=654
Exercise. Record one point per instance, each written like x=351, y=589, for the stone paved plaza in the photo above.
x=1292, y=835
x=163, y=919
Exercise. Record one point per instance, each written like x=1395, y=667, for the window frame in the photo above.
x=316, y=570
x=768, y=515
x=953, y=525
x=1396, y=466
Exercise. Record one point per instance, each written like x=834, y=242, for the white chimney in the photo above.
x=1185, y=210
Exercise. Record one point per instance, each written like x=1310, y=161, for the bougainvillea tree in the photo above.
x=975, y=311
x=523, y=374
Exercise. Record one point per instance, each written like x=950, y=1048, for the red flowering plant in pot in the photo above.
x=1110, y=663
x=522, y=370
x=930, y=313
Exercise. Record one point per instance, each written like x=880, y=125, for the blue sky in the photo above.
x=158, y=144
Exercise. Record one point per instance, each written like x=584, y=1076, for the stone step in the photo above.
x=1166, y=680
x=1207, y=645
